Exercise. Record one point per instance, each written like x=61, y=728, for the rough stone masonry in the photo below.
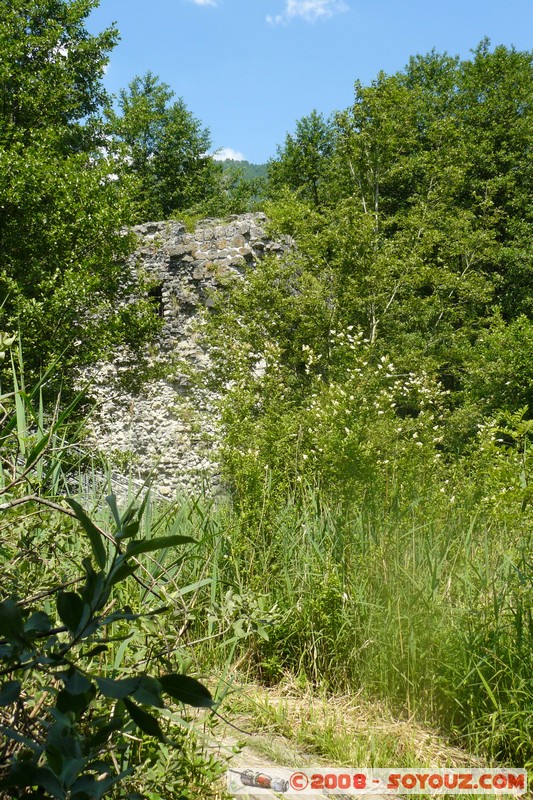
x=163, y=429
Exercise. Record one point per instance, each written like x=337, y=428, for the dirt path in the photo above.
x=250, y=759
x=288, y=728
x=273, y=756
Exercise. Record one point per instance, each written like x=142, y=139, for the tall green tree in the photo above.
x=426, y=210
x=164, y=147
x=416, y=252
x=62, y=280
x=302, y=164
x=51, y=68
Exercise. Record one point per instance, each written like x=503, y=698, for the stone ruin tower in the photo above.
x=161, y=429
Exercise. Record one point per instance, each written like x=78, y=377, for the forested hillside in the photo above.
x=375, y=385
x=248, y=170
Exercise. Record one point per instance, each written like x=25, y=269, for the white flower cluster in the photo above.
x=369, y=403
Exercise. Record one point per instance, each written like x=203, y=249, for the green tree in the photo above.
x=495, y=106
x=302, y=163
x=51, y=69
x=414, y=244
x=164, y=148
x=62, y=280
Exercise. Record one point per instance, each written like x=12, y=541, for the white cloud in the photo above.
x=308, y=10
x=205, y=2
x=228, y=152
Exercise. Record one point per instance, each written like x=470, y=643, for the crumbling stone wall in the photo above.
x=169, y=427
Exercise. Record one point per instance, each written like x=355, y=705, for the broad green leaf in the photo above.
x=149, y=545
x=187, y=690
x=45, y=777
x=75, y=704
x=71, y=770
x=121, y=571
x=38, y=622
x=95, y=593
x=11, y=621
x=149, y=692
x=77, y=683
x=145, y=721
x=71, y=610
x=20, y=774
x=117, y=689
x=9, y=692
x=54, y=758
x=128, y=531
x=95, y=537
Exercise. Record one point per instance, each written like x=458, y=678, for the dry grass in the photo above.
x=290, y=722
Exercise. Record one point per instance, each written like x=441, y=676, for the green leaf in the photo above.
x=77, y=683
x=11, y=621
x=111, y=501
x=96, y=788
x=187, y=690
x=45, y=777
x=72, y=768
x=38, y=449
x=121, y=571
x=124, y=615
x=75, y=704
x=117, y=689
x=95, y=537
x=145, y=721
x=142, y=508
x=149, y=692
x=20, y=774
x=489, y=691
x=95, y=593
x=128, y=531
x=15, y=736
x=9, y=692
x=95, y=651
x=149, y=545
x=54, y=759
x=103, y=733
x=38, y=622
x=71, y=610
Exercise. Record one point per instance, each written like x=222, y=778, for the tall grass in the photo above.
x=421, y=599
x=425, y=606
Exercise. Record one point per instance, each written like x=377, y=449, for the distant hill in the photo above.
x=248, y=170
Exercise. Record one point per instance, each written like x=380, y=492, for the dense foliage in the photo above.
x=406, y=301
x=376, y=408
x=378, y=411
x=62, y=213
x=74, y=173
x=73, y=702
x=164, y=148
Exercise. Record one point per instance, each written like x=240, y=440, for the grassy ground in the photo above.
x=386, y=631
x=292, y=726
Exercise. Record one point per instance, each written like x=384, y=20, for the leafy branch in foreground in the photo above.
x=64, y=705
x=57, y=711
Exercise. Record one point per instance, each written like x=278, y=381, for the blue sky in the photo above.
x=248, y=69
